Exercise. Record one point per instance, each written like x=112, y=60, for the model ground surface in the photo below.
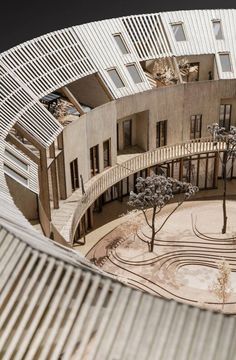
x=183, y=265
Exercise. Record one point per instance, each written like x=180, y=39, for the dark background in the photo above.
x=23, y=20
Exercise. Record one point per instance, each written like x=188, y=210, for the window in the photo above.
x=115, y=77
x=94, y=160
x=178, y=31
x=106, y=153
x=74, y=174
x=121, y=44
x=225, y=62
x=15, y=175
x=217, y=28
x=195, y=126
x=16, y=160
x=225, y=116
x=134, y=73
x=127, y=130
x=161, y=133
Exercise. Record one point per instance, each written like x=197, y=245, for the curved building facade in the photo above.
x=83, y=112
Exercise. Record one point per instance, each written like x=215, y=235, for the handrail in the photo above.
x=137, y=163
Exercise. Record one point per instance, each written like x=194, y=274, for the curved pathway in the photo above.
x=183, y=265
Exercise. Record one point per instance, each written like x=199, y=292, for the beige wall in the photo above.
x=25, y=199
x=140, y=123
x=174, y=103
x=206, y=64
x=142, y=130
x=88, y=91
x=85, y=132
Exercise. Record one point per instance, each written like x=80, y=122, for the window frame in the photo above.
x=161, y=126
x=195, y=119
x=120, y=35
x=130, y=122
x=224, y=116
x=180, y=23
x=94, y=160
x=221, y=27
x=136, y=68
x=74, y=174
x=230, y=62
x=107, y=163
x=118, y=73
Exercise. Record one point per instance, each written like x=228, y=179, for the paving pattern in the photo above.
x=183, y=265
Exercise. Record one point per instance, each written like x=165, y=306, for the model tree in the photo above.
x=222, y=287
x=219, y=135
x=154, y=193
x=61, y=109
x=168, y=75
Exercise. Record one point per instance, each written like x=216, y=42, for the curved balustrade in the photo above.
x=137, y=163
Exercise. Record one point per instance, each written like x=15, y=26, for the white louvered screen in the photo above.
x=148, y=36
x=200, y=38
x=18, y=103
x=11, y=155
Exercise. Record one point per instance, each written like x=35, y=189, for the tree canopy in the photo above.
x=158, y=190
x=155, y=192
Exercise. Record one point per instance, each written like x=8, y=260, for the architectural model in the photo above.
x=89, y=115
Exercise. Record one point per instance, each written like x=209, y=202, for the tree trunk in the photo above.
x=153, y=230
x=224, y=192
x=152, y=240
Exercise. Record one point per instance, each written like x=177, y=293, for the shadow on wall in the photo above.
x=22, y=196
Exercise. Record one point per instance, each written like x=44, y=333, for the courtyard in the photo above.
x=184, y=263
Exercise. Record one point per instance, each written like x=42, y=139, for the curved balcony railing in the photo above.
x=100, y=184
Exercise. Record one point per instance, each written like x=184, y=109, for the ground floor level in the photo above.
x=202, y=170
x=184, y=263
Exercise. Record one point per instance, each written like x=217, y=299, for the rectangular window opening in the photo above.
x=106, y=153
x=161, y=133
x=121, y=44
x=127, y=133
x=195, y=126
x=115, y=77
x=178, y=31
x=74, y=173
x=132, y=69
x=217, y=28
x=225, y=116
x=94, y=160
x=225, y=62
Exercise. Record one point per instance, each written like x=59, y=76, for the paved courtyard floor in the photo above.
x=183, y=265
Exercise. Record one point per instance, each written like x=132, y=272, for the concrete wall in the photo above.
x=85, y=132
x=25, y=199
x=88, y=91
x=142, y=130
x=174, y=103
x=206, y=64
x=139, y=134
